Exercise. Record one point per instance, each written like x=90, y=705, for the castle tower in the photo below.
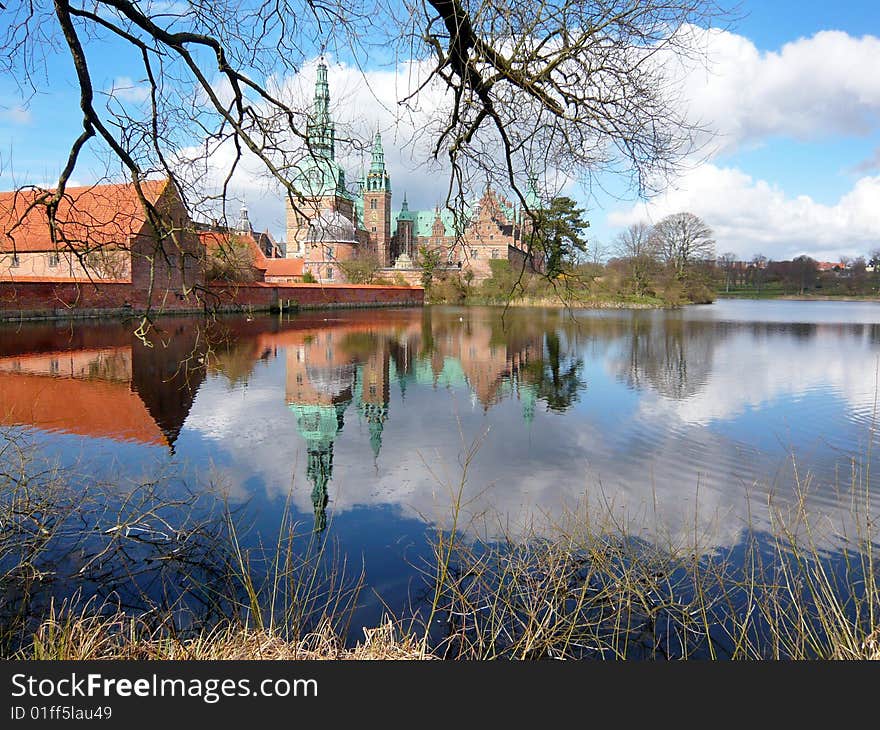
x=377, y=204
x=405, y=236
x=244, y=223
x=319, y=178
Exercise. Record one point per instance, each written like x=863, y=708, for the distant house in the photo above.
x=102, y=234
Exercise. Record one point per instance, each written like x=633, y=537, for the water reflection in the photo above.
x=669, y=418
x=101, y=382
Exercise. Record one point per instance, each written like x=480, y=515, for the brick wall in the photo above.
x=42, y=299
x=311, y=296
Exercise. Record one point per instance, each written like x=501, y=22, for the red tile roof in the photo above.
x=283, y=267
x=88, y=217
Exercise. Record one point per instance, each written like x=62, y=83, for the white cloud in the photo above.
x=756, y=216
x=811, y=88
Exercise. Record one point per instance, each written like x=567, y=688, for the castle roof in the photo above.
x=423, y=220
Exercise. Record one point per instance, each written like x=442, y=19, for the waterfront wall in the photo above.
x=74, y=299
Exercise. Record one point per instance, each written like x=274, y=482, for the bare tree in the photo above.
x=727, y=261
x=637, y=248
x=683, y=239
x=636, y=242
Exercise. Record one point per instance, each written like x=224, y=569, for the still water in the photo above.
x=678, y=421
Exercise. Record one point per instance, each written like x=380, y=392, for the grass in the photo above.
x=158, y=576
x=68, y=635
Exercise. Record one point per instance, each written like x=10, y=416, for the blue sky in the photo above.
x=793, y=94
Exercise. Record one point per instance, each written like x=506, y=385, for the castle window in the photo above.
x=54, y=259
x=473, y=253
x=373, y=229
x=373, y=204
x=329, y=272
x=494, y=253
x=372, y=390
x=15, y=261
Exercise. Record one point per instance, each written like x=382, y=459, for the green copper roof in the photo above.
x=451, y=374
x=528, y=396
x=424, y=222
x=377, y=164
x=321, y=131
x=533, y=200
x=319, y=176
x=359, y=210
x=318, y=424
x=319, y=471
x=405, y=213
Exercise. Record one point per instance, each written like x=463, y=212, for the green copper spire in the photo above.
x=405, y=213
x=318, y=173
x=321, y=131
x=319, y=471
x=376, y=416
x=377, y=179
x=377, y=164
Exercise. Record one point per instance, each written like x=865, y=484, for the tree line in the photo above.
x=851, y=275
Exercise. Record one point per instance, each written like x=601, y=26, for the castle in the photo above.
x=330, y=225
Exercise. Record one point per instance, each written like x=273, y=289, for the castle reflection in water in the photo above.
x=102, y=382
x=348, y=366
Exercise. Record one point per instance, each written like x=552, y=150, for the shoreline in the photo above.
x=802, y=297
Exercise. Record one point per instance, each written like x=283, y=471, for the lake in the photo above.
x=678, y=422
